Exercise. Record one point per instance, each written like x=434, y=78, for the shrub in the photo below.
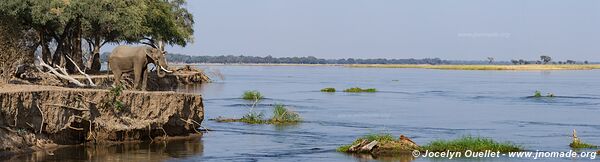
x=252, y=95
x=357, y=90
x=328, y=90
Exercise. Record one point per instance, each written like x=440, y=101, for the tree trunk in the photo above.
x=44, y=43
x=95, y=59
x=75, y=44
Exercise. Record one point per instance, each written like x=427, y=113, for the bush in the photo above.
x=328, y=90
x=358, y=90
x=475, y=144
x=252, y=95
x=283, y=115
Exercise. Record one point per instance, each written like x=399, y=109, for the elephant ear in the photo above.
x=151, y=52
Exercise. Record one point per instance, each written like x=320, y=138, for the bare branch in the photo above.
x=78, y=69
x=63, y=76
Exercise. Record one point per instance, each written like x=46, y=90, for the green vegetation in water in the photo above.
x=581, y=145
x=284, y=115
x=537, y=94
x=252, y=95
x=328, y=90
x=281, y=115
x=382, y=137
x=358, y=90
x=475, y=144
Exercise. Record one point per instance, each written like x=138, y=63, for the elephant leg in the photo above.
x=117, y=78
x=144, y=79
x=137, y=72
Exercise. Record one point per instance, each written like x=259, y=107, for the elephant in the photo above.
x=125, y=59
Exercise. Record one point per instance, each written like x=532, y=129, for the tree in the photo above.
x=64, y=24
x=545, y=59
x=514, y=62
x=490, y=59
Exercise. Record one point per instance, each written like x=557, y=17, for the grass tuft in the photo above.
x=328, y=90
x=252, y=95
x=253, y=118
x=537, y=94
x=581, y=145
x=475, y=144
x=358, y=90
x=283, y=115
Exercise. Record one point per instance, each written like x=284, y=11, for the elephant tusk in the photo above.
x=168, y=71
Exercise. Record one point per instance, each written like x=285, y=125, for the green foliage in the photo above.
x=475, y=144
x=253, y=118
x=252, y=96
x=358, y=90
x=581, y=145
x=115, y=92
x=537, y=94
x=283, y=115
x=328, y=90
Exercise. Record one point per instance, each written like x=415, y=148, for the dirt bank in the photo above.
x=34, y=117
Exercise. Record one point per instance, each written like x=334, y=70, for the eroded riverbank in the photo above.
x=34, y=117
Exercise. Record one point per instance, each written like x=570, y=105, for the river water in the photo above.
x=422, y=104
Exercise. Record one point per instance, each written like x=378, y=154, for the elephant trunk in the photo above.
x=160, y=72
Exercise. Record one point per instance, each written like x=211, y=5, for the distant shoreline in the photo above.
x=427, y=66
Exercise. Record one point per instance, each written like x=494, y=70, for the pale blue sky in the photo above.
x=448, y=29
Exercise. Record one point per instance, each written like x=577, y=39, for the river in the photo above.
x=422, y=104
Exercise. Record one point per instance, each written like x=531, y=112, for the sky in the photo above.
x=447, y=29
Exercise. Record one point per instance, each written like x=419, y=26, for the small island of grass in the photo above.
x=380, y=144
x=328, y=90
x=387, y=145
x=578, y=144
x=281, y=115
x=358, y=90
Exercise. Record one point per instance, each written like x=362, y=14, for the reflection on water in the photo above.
x=158, y=151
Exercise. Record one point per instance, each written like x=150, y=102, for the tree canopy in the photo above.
x=62, y=25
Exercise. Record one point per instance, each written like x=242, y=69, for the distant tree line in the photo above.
x=545, y=60
x=231, y=59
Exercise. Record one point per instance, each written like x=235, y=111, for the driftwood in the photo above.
x=356, y=147
x=368, y=147
x=64, y=75
x=82, y=73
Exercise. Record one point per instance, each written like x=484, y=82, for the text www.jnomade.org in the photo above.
x=497, y=154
